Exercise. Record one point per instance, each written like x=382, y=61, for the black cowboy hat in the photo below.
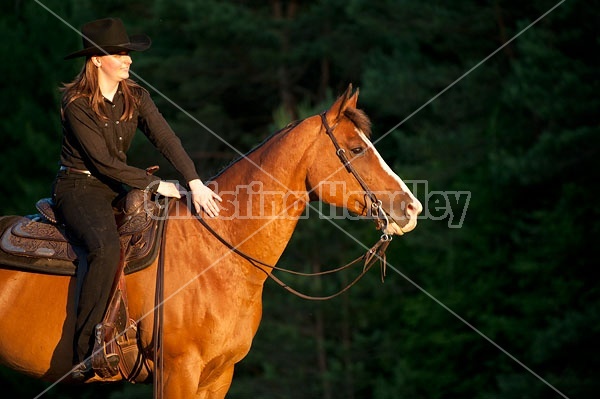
x=108, y=36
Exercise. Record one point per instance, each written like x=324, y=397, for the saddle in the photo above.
x=40, y=243
x=41, y=236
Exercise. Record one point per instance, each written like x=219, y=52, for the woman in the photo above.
x=101, y=110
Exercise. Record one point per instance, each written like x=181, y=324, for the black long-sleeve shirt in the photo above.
x=100, y=146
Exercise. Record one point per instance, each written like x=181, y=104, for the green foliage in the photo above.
x=519, y=133
x=28, y=111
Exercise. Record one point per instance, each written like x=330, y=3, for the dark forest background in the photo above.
x=519, y=133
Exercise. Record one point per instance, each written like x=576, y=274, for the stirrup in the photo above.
x=83, y=371
x=106, y=365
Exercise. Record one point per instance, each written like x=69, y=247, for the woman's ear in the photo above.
x=96, y=61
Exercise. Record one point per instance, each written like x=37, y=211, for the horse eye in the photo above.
x=357, y=150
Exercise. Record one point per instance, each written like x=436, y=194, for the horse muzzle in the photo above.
x=406, y=221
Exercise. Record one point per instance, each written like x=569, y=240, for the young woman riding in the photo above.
x=101, y=110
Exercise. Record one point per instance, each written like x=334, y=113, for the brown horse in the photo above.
x=213, y=296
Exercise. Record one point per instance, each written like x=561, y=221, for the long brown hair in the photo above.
x=86, y=85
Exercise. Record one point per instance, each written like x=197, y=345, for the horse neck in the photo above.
x=264, y=193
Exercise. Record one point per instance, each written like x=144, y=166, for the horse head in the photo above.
x=358, y=178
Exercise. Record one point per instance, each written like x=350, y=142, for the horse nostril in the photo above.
x=410, y=211
x=413, y=209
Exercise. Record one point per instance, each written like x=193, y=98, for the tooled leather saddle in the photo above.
x=40, y=243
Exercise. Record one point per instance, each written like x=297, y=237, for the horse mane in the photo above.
x=285, y=129
x=356, y=116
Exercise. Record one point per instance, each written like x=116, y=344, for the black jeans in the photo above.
x=84, y=205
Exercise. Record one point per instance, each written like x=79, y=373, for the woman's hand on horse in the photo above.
x=204, y=198
x=168, y=189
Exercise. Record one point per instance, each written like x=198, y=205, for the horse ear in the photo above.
x=351, y=103
x=346, y=100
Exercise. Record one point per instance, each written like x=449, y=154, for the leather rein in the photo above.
x=374, y=254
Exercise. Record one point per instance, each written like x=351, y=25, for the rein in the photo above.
x=374, y=254
x=159, y=297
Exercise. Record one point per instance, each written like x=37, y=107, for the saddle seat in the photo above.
x=139, y=219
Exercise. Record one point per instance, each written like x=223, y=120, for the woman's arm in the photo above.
x=158, y=131
x=156, y=128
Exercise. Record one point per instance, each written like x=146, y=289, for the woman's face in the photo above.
x=114, y=67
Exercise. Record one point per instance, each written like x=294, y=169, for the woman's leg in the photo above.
x=85, y=206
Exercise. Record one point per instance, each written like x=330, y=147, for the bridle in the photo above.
x=375, y=210
x=374, y=254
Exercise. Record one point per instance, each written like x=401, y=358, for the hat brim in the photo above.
x=136, y=43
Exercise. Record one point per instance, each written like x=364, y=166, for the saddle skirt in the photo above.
x=139, y=219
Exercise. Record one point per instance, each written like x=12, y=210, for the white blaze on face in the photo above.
x=394, y=228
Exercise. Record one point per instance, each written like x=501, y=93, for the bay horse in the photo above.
x=213, y=296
